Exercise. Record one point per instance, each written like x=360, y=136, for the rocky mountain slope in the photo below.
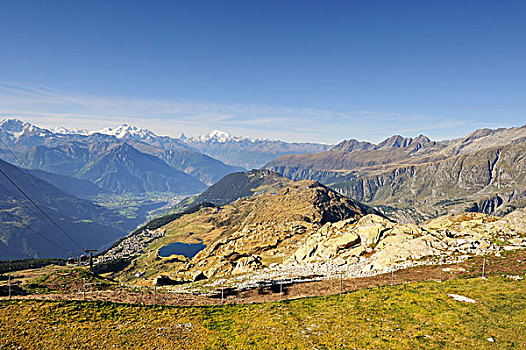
x=249, y=233
x=90, y=225
x=384, y=244
x=306, y=230
x=416, y=179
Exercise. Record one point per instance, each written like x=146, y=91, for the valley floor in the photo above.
x=403, y=316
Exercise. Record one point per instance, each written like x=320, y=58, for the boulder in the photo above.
x=198, y=276
x=371, y=227
x=247, y=264
x=413, y=249
x=345, y=241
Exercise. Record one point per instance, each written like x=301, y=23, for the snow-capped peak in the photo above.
x=18, y=128
x=16, y=125
x=125, y=130
x=219, y=136
x=65, y=131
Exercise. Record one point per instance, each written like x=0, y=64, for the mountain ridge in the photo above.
x=379, y=174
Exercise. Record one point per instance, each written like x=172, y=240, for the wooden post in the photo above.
x=341, y=284
x=441, y=271
x=9, y=280
x=154, y=294
x=84, y=288
x=222, y=294
x=392, y=277
x=483, y=267
x=280, y=290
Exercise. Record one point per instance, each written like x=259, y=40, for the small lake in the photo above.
x=188, y=250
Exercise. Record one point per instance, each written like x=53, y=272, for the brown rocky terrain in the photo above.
x=385, y=245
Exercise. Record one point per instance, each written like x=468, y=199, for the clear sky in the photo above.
x=295, y=70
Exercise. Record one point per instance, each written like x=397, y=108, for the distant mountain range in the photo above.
x=112, y=164
x=76, y=152
x=248, y=233
x=406, y=179
x=245, y=152
x=416, y=179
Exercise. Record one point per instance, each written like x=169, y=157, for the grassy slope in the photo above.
x=418, y=315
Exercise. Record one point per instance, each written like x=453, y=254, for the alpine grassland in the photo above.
x=407, y=316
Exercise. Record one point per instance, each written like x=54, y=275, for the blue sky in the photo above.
x=294, y=70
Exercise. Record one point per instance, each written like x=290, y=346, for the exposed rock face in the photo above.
x=306, y=229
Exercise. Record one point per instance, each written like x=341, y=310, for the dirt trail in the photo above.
x=513, y=263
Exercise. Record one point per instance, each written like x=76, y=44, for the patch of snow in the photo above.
x=462, y=298
x=65, y=131
x=125, y=130
x=219, y=136
x=514, y=277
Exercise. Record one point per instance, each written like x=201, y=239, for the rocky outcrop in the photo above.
x=384, y=244
x=290, y=235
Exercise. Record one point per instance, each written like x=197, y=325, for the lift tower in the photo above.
x=90, y=251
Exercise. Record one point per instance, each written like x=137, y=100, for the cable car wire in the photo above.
x=41, y=210
x=20, y=165
x=34, y=231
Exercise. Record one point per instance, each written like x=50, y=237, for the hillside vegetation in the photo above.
x=239, y=185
